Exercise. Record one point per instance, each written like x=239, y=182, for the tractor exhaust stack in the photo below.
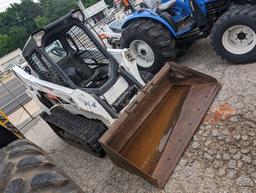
x=149, y=138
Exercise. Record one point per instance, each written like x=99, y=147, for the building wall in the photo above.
x=94, y=12
x=9, y=60
x=96, y=8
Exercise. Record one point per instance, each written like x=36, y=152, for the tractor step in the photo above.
x=180, y=27
x=185, y=26
x=77, y=129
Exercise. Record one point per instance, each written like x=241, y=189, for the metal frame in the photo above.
x=57, y=29
x=58, y=26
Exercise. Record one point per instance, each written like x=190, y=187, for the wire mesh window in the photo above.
x=89, y=51
x=44, y=69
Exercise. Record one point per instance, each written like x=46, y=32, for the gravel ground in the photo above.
x=220, y=158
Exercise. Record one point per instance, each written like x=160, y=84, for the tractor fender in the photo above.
x=150, y=15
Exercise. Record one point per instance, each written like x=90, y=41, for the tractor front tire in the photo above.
x=24, y=168
x=151, y=43
x=234, y=34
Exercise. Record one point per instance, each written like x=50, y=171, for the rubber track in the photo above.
x=24, y=168
x=87, y=130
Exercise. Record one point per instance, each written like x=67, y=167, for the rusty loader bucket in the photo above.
x=151, y=135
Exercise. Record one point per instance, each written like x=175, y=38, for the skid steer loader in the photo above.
x=97, y=99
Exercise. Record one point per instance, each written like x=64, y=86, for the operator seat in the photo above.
x=83, y=75
x=76, y=69
x=157, y=5
x=75, y=74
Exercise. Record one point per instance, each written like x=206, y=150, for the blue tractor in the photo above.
x=154, y=32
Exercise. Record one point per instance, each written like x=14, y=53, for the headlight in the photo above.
x=78, y=15
x=38, y=37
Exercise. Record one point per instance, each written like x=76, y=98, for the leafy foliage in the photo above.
x=19, y=20
x=16, y=23
x=88, y=3
x=110, y=2
x=54, y=9
x=41, y=21
x=5, y=47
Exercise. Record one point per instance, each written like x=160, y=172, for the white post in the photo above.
x=81, y=6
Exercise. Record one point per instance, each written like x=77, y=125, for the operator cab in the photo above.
x=67, y=53
x=84, y=66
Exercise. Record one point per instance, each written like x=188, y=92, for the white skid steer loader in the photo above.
x=97, y=99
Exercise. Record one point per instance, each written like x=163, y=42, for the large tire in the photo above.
x=156, y=36
x=24, y=168
x=234, y=34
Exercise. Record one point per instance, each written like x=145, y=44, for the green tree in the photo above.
x=18, y=36
x=41, y=21
x=20, y=20
x=16, y=24
x=109, y=2
x=21, y=15
x=5, y=46
x=88, y=3
x=54, y=9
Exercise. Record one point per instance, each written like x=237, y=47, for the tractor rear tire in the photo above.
x=24, y=168
x=234, y=34
x=156, y=36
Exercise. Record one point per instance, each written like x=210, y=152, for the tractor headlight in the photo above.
x=38, y=37
x=78, y=15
